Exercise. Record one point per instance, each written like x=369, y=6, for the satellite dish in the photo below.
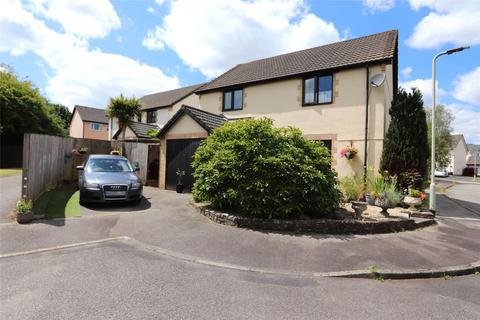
x=377, y=80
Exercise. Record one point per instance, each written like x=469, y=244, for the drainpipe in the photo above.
x=367, y=86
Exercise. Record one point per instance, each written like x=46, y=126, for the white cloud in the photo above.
x=406, y=72
x=151, y=10
x=220, y=33
x=451, y=21
x=378, y=5
x=80, y=75
x=88, y=19
x=466, y=121
x=425, y=86
x=467, y=87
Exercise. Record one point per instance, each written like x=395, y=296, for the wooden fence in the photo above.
x=48, y=160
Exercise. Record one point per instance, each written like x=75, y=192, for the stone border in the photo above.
x=321, y=226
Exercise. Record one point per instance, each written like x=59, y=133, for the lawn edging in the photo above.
x=322, y=226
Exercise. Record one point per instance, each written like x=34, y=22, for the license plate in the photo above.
x=114, y=193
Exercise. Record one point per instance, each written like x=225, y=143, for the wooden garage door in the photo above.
x=179, y=156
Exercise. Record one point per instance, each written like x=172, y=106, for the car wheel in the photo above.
x=81, y=200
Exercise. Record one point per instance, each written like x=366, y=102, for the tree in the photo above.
x=62, y=113
x=23, y=109
x=252, y=168
x=125, y=110
x=443, y=130
x=406, y=145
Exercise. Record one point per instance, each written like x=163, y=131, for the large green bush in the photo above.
x=252, y=168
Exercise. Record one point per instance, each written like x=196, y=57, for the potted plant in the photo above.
x=413, y=198
x=349, y=152
x=24, y=211
x=353, y=190
x=180, y=175
x=389, y=198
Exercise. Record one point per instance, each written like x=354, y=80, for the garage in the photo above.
x=179, y=139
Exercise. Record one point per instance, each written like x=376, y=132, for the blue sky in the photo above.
x=82, y=52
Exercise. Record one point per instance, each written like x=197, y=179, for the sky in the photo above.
x=83, y=52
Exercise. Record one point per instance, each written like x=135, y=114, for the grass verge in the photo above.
x=9, y=172
x=62, y=202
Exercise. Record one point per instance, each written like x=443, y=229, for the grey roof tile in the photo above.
x=372, y=48
x=91, y=114
x=167, y=98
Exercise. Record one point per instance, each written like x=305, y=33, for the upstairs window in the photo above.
x=318, y=90
x=152, y=116
x=95, y=126
x=233, y=100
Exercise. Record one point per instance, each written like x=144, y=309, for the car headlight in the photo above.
x=90, y=185
x=136, y=185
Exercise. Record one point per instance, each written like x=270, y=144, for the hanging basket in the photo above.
x=349, y=152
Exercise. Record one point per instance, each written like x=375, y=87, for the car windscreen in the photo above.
x=108, y=165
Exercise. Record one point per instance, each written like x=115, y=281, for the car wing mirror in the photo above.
x=79, y=167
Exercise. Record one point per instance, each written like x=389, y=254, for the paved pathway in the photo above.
x=10, y=192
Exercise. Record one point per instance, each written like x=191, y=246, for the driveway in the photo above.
x=170, y=225
x=11, y=191
x=176, y=264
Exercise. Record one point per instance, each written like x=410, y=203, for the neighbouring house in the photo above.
x=88, y=122
x=474, y=157
x=158, y=108
x=338, y=93
x=457, y=154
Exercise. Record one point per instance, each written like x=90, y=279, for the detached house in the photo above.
x=90, y=123
x=338, y=93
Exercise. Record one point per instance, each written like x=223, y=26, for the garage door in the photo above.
x=179, y=156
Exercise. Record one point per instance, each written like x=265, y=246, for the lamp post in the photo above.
x=432, y=158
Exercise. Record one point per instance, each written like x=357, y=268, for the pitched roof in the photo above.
x=373, y=48
x=455, y=139
x=91, y=114
x=167, y=98
x=207, y=120
x=140, y=129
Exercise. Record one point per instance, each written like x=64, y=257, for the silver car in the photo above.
x=108, y=178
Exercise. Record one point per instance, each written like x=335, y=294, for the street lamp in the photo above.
x=432, y=160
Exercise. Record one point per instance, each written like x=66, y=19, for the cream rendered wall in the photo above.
x=76, y=126
x=343, y=121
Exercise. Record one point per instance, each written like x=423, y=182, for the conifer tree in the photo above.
x=406, y=144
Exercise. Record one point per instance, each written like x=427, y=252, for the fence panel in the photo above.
x=48, y=160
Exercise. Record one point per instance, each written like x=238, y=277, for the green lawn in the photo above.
x=8, y=172
x=58, y=203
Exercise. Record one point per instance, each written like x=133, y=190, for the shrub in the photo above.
x=353, y=188
x=252, y=168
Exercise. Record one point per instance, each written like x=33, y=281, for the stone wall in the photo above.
x=323, y=226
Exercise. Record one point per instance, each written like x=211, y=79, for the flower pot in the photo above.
x=359, y=207
x=370, y=200
x=384, y=205
x=179, y=188
x=412, y=202
x=25, y=217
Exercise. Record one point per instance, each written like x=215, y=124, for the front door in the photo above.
x=179, y=156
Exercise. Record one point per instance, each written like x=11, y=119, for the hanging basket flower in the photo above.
x=349, y=152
